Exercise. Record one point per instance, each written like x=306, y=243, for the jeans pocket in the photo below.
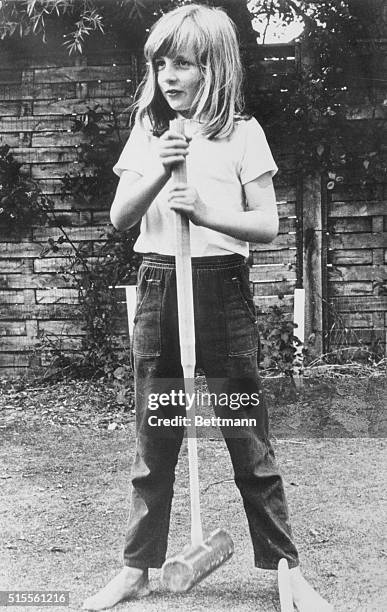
x=241, y=321
x=147, y=324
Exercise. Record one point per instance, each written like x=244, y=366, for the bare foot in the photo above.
x=305, y=597
x=129, y=583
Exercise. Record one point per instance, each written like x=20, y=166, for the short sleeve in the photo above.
x=256, y=157
x=135, y=153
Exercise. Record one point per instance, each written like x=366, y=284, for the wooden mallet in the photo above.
x=200, y=557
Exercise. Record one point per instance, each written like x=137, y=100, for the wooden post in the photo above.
x=313, y=228
x=312, y=272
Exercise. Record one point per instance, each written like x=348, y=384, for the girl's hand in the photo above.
x=185, y=199
x=172, y=149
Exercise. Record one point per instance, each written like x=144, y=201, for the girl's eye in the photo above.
x=179, y=62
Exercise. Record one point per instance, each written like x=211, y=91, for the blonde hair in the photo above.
x=211, y=36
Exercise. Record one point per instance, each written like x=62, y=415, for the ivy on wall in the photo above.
x=21, y=201
x=113, y=260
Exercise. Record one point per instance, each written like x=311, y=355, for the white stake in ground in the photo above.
x=284, y=587
x=299, y=331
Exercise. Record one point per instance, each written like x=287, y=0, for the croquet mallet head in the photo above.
x=181, y=572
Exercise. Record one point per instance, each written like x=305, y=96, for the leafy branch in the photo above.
x=95, y=269
x=22, y=203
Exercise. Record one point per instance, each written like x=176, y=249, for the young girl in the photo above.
x=194, y=72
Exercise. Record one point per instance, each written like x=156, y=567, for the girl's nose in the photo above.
x=169, y=71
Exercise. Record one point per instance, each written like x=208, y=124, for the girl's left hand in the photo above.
x=185, y=199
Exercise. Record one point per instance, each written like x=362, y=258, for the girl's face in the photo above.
x=178, y=79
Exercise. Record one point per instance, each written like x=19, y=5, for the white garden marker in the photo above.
x=284, y=587
x=299, y=320
x=130, y=295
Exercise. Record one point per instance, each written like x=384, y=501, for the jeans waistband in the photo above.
x=211, y=262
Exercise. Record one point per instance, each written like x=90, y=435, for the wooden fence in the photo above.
x=354, y=220
x=39, y=97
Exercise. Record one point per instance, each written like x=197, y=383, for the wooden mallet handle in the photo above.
x=185, y=309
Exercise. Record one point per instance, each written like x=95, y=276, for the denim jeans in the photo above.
x=226, y=350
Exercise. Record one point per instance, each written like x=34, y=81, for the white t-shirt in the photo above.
x=217, y=168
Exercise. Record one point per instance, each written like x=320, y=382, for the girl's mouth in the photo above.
x=173, y=92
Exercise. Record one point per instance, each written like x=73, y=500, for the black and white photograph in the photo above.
x=193, y=305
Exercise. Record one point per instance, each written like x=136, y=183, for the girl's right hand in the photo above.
x=173, y=149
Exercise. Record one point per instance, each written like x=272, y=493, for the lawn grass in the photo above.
x=65, y=493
